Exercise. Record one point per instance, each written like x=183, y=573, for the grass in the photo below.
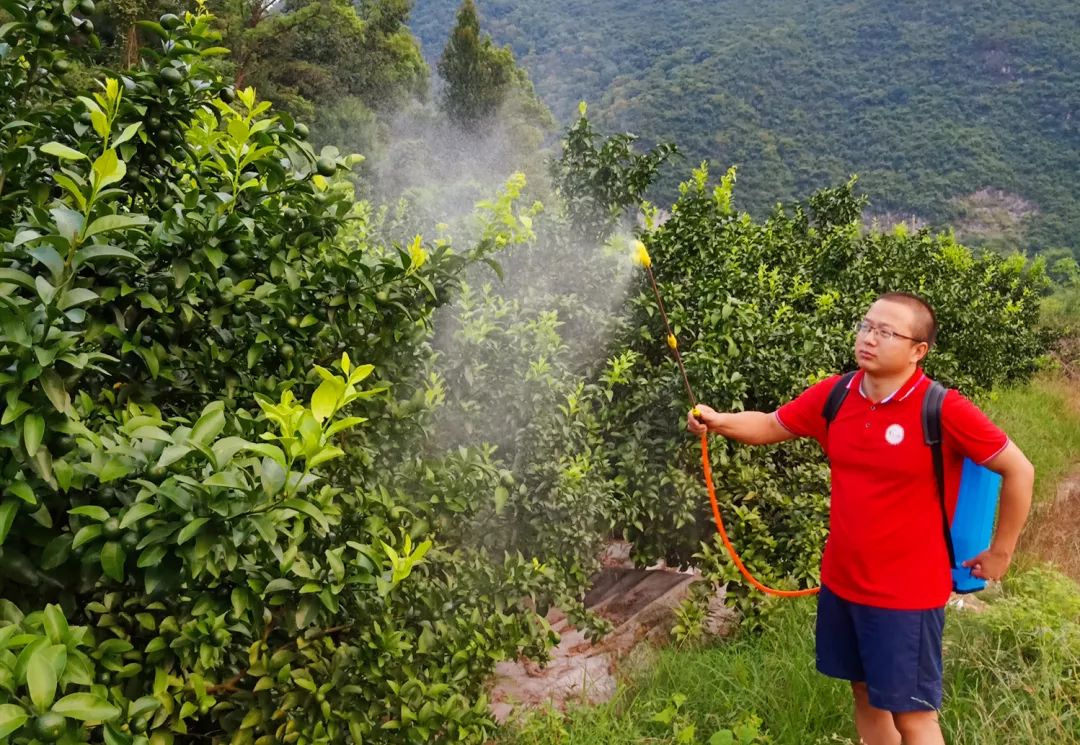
x=1043, y=419
x=1012, y=672
x=1010, y=677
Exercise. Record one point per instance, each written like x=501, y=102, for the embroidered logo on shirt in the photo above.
x=894, y=435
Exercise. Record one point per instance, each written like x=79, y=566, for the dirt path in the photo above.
x=1054, y=532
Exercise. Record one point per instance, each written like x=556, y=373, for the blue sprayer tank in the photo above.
x=973, y=521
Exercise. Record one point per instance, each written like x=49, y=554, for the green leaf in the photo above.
x=151, y=556
x=325, y=454
x=501, y=495
x=154, y=28
x=273, y=452
x=48, y=256
x=8, y=509
x=127, y=134
x=137, y=512
x=14, y=276
x=209, y=425
x=308, y=509
x=143, y=706
x=68, y=222
x=41, y=678
x=22, y=490
x=92, y=511
x=53, y=385
x=227, y=447
x=172, y=454
x=56, y=552
x=113, y=558
x=346, y=423
x=86, y=707
x=72, y=188
x=61, y=151
x=12, y=717
x=324, y=401
x=109, y=223
x=86, y=534
x=277, y=585
x=93, y=253
x=56, y=625
x=272, y=476
x=100, y=123
x=33, y=431
x=190, y=530
x=108, y=169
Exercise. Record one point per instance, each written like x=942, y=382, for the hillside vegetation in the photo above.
x=932, y=104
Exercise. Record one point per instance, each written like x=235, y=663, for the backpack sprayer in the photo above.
x=976, y=504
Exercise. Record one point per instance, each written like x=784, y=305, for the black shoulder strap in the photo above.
x=836, y=398
x=931, y=422
x=834, y=401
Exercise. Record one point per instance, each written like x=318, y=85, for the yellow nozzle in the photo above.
x=641, y=255
x=672, y=341
x=696, y=412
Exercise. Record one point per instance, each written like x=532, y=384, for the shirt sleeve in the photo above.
x=802, y=416
x=969, y=431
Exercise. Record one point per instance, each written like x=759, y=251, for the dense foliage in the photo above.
x=762, y=310
x=214, y=524
x=927, y=102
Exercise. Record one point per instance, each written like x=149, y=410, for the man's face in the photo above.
x=879, y=356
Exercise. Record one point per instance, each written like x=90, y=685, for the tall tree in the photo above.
x=478, y=74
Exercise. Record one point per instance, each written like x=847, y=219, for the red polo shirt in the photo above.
x=886, y=545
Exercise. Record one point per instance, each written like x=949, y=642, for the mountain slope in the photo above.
x=963, y=112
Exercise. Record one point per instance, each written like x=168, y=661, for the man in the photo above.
x=885, y=571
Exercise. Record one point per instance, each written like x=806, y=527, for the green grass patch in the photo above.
x=1012, y=676
x=1043, y=419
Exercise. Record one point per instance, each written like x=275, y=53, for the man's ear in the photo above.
x=921, y=353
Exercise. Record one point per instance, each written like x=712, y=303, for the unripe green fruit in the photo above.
x=326, y=166
x=170, y=21
x=301, y=131
x=44, y=27
x=49, y=727
x=171, y=76
x=86, y=7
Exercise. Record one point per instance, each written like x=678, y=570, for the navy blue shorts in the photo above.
x=897, y=653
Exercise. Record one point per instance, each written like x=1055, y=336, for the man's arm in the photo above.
x=749, y=427
x=1017, y=483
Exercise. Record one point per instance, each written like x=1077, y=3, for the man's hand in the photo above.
x=750, y=427
x=990, y=564
x=699, y=425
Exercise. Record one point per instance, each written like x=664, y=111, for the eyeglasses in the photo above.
x=865, y=327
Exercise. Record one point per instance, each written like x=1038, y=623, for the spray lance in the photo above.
x=642, y=259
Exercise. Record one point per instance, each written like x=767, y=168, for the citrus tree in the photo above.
x=214, y=524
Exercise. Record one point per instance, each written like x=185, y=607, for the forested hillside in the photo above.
x=964, y=113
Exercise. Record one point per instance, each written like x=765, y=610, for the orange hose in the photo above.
x=707, y=466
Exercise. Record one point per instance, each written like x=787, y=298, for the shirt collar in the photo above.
x=899, y=394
